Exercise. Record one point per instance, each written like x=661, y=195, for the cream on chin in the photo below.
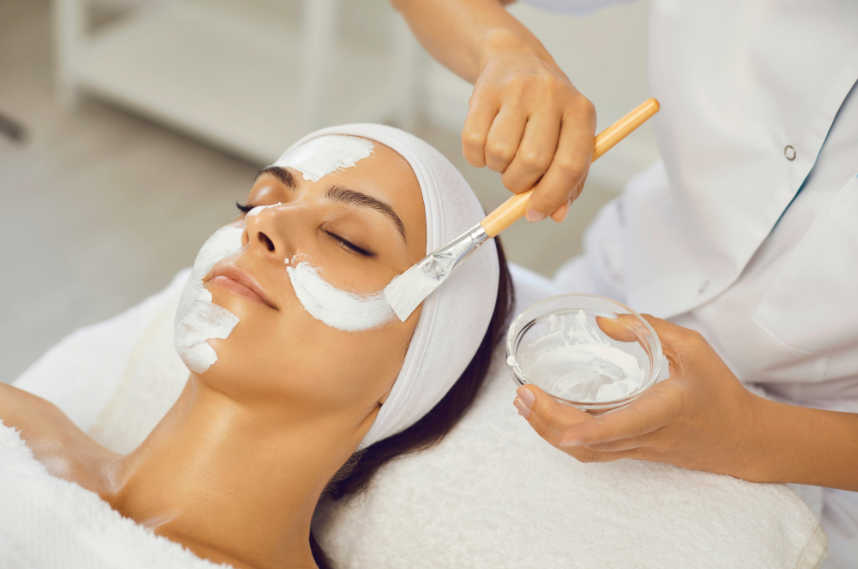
x=198, y=319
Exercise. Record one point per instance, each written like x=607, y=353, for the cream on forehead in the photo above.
x=321, y=156
x=337, y=308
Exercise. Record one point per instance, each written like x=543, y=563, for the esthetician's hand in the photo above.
x=527, y=121
x=699, y=418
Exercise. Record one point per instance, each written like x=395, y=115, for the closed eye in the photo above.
x=342, y=242
x=349, y=245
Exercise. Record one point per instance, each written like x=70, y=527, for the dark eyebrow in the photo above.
x=351, y=197
x=282, y=174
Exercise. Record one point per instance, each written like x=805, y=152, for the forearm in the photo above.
x=464, y=34
x=789, y=443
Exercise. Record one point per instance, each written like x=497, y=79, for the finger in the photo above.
x=680, y=345
x=504, y=138
x=568, y=169
x=564, y=209
x=560, y=214
x=644, y=441
x=482, y=110
x=580, y=188
x=534, y=154
x=667, y=329
x=657, y=408
x=545, y=415
x=620, y=328
x=586, y=455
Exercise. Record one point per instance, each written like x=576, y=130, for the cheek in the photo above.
x=334, y=307
x=291, y=357
x=335, y=368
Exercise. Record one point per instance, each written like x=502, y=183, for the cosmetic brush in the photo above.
x=408, y=290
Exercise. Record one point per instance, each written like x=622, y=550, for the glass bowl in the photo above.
x=558, y=345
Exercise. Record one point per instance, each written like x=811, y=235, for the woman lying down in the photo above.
x=303, y=382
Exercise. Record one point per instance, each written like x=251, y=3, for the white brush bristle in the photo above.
x=408, y=290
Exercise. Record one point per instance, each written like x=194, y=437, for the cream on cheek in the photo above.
x=198, y=319
x=335, y=307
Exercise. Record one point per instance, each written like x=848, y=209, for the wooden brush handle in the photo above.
x=512, y=209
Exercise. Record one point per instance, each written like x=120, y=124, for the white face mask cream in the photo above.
x=574, y=361
x=337, y=308
x=321, y=156
x=258, y=209
x=198, y=319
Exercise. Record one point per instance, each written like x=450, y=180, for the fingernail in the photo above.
x=570, y=443
x=527, y=397
x=522, y=408
x=532, y=215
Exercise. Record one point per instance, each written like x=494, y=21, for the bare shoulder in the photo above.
x=27, y=412
x=55, y=440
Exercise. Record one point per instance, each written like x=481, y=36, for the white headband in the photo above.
x=455, y=317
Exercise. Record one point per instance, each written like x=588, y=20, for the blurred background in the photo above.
x=129, y=128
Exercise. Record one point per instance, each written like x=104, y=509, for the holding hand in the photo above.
x=528, y=122
x=526, y=119
x=699, y=418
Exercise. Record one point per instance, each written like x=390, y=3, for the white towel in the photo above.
x=492, y=494
x=49, y=523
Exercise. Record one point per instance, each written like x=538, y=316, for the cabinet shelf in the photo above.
x=235, y=83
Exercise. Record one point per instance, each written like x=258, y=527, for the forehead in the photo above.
x=386, y=176
x=384, y=171
x=364, y=166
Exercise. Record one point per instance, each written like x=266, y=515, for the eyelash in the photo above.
x=347, y=244
x=351, y=246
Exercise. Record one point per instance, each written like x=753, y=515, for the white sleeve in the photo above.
x=574, y=7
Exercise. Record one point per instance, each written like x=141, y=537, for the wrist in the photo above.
x=753, y=460
x=501, y=42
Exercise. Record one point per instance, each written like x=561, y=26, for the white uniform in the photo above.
x=748, y=231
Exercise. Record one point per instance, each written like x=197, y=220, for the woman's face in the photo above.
x=360, y=227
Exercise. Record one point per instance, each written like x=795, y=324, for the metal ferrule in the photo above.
x=444, y=261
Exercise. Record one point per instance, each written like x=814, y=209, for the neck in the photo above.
x=233, y=482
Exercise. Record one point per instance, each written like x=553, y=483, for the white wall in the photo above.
x=604, y=54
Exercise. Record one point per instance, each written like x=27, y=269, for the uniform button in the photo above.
x=789, y=152
x=703, y=286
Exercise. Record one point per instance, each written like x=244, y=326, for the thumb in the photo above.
x=549, y=418
x=675, y=342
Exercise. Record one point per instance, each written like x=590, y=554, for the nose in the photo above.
x=267, y=232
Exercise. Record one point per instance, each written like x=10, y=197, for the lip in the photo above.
x=239, y=282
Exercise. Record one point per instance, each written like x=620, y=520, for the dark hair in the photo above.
x=356, y=474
